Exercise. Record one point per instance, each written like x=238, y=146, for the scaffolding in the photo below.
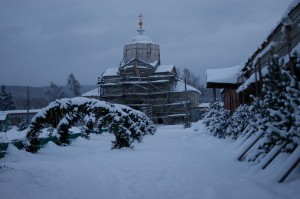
x=143, y=84
x=141, y=88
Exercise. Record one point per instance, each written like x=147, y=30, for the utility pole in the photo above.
x=99, y=87
x=28, y=104
x=187, y=125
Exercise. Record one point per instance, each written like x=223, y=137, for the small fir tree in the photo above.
x=216, y=120
x=277, y=114
x=239, y=121
x=6, y=100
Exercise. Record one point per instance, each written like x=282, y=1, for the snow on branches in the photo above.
x=128, y=125
x=216, y=120
x=280, y=108
x=275, y=116
x=6, y=100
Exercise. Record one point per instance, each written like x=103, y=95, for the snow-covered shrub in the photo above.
x=216, y=120
x=23, y=125
x=238, y=121
x=127, y=124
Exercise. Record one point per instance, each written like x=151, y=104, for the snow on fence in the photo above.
x=251, y=143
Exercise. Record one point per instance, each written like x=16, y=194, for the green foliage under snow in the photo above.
x=128, y=125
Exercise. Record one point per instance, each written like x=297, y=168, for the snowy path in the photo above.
x=174, y=163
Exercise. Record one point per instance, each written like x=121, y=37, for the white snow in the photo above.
x=253, y=78
x=111, y=72
x=174, y=163
x=224, y=75
x=292, y=5
x=180, y=87
x=11, y=135
x=164, y=68
x=92, y=93
x=289, y=162
x=154, y=63
x=132, y=66
x=3, y=116
x=21, y=111
x=204, y=105
x=141, y=39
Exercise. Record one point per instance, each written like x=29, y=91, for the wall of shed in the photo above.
x=231, y=99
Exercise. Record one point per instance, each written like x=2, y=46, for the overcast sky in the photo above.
x=46, y=40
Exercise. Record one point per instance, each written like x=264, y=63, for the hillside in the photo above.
x=37, y=96
x=38, y=99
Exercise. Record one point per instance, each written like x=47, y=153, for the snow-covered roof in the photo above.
x=180, y=87
x=223, y=75
x=282, y=21
x=164, y=68
x=154, y=63
x=92, y=93
x=253, y=78
x=141, y=39
x=292, y=5
x=132, y=66
x=204, y=105
x=264, y=70
x=21, y=111
x=111, y=72
x=3, y=116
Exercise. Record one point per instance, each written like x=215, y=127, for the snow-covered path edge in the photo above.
x=174, y=163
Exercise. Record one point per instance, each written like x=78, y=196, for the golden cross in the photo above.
x=141, y=22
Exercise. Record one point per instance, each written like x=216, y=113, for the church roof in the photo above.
x=111, y=72
x=141, y=39
x=92, y=93
x=164, y=68
x=180, y=87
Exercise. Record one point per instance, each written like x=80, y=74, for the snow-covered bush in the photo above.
x=127, y=124
x=216, y=120
x=23, y=125
x=238, y=121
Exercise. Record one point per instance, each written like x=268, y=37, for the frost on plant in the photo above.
x=128, y=125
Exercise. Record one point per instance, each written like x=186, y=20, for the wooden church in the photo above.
x=143, y=83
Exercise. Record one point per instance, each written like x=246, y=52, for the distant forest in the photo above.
x=38, y=98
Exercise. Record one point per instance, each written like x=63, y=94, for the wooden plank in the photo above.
x=247, y=133
x=271, y=156
x=290, y=164
x=250, y=146
x=282, y=179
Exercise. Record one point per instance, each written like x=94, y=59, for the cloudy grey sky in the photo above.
x=45, y=40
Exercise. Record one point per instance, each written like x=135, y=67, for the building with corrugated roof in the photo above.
x=143, y=83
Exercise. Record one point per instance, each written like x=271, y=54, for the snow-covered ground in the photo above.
x=173, y=163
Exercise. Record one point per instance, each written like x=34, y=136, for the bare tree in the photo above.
x=54, y=92
x=191, y=79
x=74, y=85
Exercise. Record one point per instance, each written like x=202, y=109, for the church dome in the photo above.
x=141, y=39
x=141, y=47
